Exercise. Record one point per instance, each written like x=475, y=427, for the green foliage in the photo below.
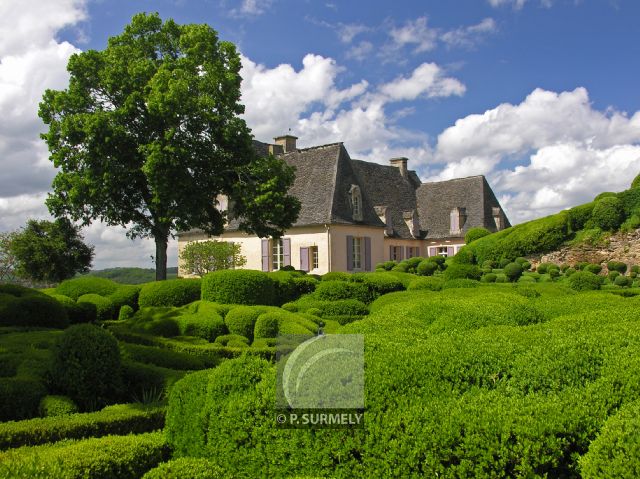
x=20, y=397
x=205, y=325
x=232, y=340
x=238, y=287
x=605, y=194
x=431, y=284
x=618, y=266
x=271, y=324
x=460, y=283
x=426, y=268
x=615, y=452
x=607, y=214
x=109, y=457
x=51, y=406
x=475, y=233
x=147, y=383
x=636, y=182
x=338, y=276
x=64, y=424
x=202, y=257
x=513, y=271
x=464, y=256
x=543, y=268
x=126, y=312
x=592, y=268
x=242, y=320
x=105, y=309
x=336, y=290
x=578, y=216
x=342, y=307
x=21, y=306
x=186, y=468
x=489, y=278
x=50, y=251
x=173, y=292
x=585, y=281
x=8, y=262
x=462, y=271
x=132, y=275
x=74, y=288
x=161, y=357
x=622, y=281
x=126, y=294
x=77, y=313
x=86, y=366
x=380, y=283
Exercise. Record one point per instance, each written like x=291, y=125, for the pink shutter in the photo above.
x=286, y=246
x=265, y=255
x=304, y=259
x=433, y=251
x=391, y=252
x=450, y=251
x=349, y=253
x=367, y=253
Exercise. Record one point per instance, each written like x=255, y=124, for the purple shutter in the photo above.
x=349, y=253
x=409, y=252
x=367, y=253
x=265, y=255
x=455, y=220
x=401, y=251
x=450, y=251
x=433, y=251
x=286, y=246
x=304, y=259
x=391, y=253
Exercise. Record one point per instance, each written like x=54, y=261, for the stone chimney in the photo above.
x=402, y=164
x=287, y=142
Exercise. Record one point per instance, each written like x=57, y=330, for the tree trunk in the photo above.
x=161, y=257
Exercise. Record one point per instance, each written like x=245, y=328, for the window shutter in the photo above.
x=450, y=251
x=433, y=251
x=391, y=253
x=286, y=245
x=349, y=253
x=455, y=220
x=265, y=255
x=304, y=259
x=367, y=253
x=408, y=252
x=401, y=251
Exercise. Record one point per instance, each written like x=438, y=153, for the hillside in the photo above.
x=132, y=275
x=589, y=227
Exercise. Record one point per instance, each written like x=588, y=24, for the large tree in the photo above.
x=148, y=135
x=50, y=251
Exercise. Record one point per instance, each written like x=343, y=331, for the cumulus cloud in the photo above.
x=252, y=8
x=517, y=4
x=551, y=151
x=468, y=36
x=426, y=80
x=415, y=33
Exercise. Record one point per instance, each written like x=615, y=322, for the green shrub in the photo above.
x=615, y=452
x=489, y=278
x=161, y=321
x=379, y=283
x=464, y=256
x=439, y=260
x=76, y=313
x=86, y=366
x=126, y=312
x=585, y=281
x=267, y=325
x=305, y=285
x=613, y=275
x=501, y=278
x=462, y=271
x=526, y=279
x=203, y=325
x=400, y=267
x=426, y=268
x=27, y=307
x=231, y=339
x=284, y=286
x=109, y=457
x=171, y=292
x=569, y=272
x=105, y=309
x=460, y=283
x=66, y=424
x=20, y=398
x=164, y=358
x=475, y=233
x=607, y=214
x=503, y=262
x=593, y=268
x=52, y=406
x=74, y=288
x=618, y=266
x=242, y=320
x=604, y=194
x=147, y=383
x=338, y=276
x=126, y=295
x=431, y=284
x=513, y=271
x=186, y=468
x=335, y=290
x=524, y=263
x=238, y=287
x=578, y=216
x=342, y=307
x=622, y=281
x=543, y=268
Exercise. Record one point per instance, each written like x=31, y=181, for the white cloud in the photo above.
x=518, y=4
x=415, y=33
x=469, y=36
x=426, y=80
x=252, y=7
x=348, y=31
x=361, y=51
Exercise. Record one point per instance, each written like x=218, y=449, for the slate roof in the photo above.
x=437, y=199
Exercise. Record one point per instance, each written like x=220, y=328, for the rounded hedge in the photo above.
x=30, y=308
x=171, y=292
x=104, y=307
x=203, y=325
x=242, y=320
x=125, y=312
x=592, y=268
x=86, y=366
x=475, y=233
x=607, y=214
x=462, y=271
x=77, y=312
x=335, y=290
x=622, y=281
x=186, y=468
x=618, y=266
x=338, y=275
x=431, y=284
x=585, y=281
x=489, y=278
x=426, y=268
x=57, y=406
x=74, y=288
x=460, y=283
x=378, y=283
x=239, y=287
x=20, y=398
x=126, y=295
x=513, y=271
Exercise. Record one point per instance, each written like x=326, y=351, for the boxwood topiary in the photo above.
x=622, y=281
x=125, y=312
x=426, y=268
x=337, y=276
x=171, y=292
x=585, y=281
x=462, y=271
x=20, y=398
x=241, y=320
x=267, y=325
x=489, y=278
x=378, y=283
x=27, y=307
x=57, y=406
x=74, y=288
x=460, y=283
x=513, y=271
x=202, y=325
x=475, y=233
x=239, y=287
x=607, y=214
x=225, y=339
x=592, y=268
x=105, y=308
x=126, y=294
x=334, y=290
x=186, y=468
x=86, y=366
x=618, y=266
x=431, y=284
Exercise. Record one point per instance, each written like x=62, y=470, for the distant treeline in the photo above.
x=132, y=275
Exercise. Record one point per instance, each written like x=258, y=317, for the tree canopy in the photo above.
x=202, y=257
x=148, y=134
x=50, y=251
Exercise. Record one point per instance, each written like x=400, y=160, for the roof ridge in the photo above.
x=317, y=147
x=334, y=183
x=454, y=179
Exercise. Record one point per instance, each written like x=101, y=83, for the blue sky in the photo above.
x=540, y=96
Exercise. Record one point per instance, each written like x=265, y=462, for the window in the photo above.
x=357, y=253
x=443, y=251
x=413, y=251
x=457, y=218
x=356, y=202
x=314, y=257
x=277, y=254
x=396, y=253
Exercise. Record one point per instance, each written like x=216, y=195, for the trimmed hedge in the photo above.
x=118, y=419
x=20, y=398
x=186, y=468
x=126, y=295
x=475, y=233
x=109, y=457
x=336, y=290
x=608, y=214
x=126, y=312
x=171, y=292
x=242, y=320
x=513, y=271
x=426, y=268
x=77, y=313
x=618, y=266
x=161, y=357
x=379, y=283
x=432, y=284
x=462, y=271
x=21, y=306
x=271, y=324
x=202, y=325
x=147, y=382
x=343, y=307
x=74, y=288
x=585, y=281
x=105, y=308
x=239, y=287
x=51, y=406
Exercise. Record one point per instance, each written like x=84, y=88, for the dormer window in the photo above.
x=458, y=217
x=356, y=202
x=497, y=218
